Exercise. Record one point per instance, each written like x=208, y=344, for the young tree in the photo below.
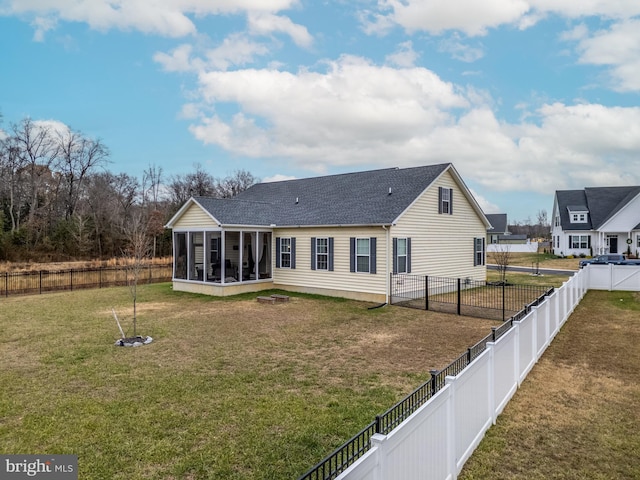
x=501, y=257
x=137, y=252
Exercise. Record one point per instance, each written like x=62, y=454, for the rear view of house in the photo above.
x=596, y=221
x=339, y=235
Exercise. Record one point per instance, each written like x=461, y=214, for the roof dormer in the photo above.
x=578, y=214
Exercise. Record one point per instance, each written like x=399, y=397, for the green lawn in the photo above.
x=229, y=388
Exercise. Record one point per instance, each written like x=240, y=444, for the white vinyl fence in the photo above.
x=614, y=277
x=436, y=441
x=529, y=247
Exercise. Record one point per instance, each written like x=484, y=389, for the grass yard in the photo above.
x=576, y=415
x=545, y=260
x=229, y=388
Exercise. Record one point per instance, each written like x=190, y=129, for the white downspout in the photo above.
x=387, y=269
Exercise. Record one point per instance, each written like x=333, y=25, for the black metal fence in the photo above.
x=495, y=300
x=43, y=281
x=341, y=458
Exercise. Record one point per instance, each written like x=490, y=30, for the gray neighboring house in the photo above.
x=596, y=220
x=499, y=227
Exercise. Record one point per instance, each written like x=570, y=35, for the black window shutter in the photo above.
x=293, y=252
x=484, y=251
x=475, y=256
x=277, y=252
x=570, y=241
x=313, y=253
x=372, y=255
x=352, y=254
x=451, y=201
x=589, y=241
x=408, y=255
x=395, y=256
x=439, y=199
x=331, y=254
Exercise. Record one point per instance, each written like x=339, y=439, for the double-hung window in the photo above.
x=445, y=200
x=363, y=255
x=478, y=251
x=285, y=252
x=322, y=253
x=401, y=255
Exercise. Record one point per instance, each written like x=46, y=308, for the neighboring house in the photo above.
x=339, y=235
x=596, y=221
x=513, y=239
x=499, y=227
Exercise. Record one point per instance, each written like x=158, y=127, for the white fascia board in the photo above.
x=184, y=208
x=633, y=206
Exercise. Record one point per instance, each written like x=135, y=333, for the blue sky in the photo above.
x=524, y=97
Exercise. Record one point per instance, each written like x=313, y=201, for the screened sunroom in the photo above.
x=222, y=256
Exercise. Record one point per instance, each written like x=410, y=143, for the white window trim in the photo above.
x=283, y=253
x=319, y=254
x=358, y=255
x=405, y=255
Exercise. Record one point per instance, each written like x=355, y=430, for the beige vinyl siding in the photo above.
x=194, y=218
x=340, y=279
x=441, y=244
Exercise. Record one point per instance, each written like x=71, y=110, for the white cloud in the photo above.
x=404, y=56
x=475, y=18
x=356, y=113
x=278, y=178
x=469, y=16
x=169, y=18
x=459, y=49
x=266, y=23
x=485, y=205
x=178, y=60
x=618, y=47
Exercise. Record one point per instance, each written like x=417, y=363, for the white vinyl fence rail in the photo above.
x=436, y=441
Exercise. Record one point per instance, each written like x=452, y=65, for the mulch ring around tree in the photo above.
x=137, y=341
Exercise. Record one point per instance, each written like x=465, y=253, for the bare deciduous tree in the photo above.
x=136, y=253
x=232, y=185
x=501, y=257
x=76, y=157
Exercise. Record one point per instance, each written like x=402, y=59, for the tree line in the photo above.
x=59, y=201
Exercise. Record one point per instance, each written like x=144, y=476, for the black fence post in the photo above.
x=503, y=301
x=459, y=296
x=71, y=279
x=378, y=427
x=40, y=271
x=426, y=292
x=434, y=386
x=6, y=284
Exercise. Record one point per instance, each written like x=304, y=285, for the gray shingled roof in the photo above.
x=360, y=198
x=498, y=222
x=601, y=202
